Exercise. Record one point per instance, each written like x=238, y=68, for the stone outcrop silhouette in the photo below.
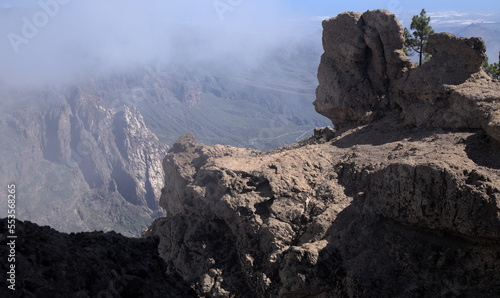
x=93, y=264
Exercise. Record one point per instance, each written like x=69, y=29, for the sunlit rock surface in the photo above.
x=402, y=201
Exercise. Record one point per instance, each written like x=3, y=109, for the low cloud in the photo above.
x=51, y=41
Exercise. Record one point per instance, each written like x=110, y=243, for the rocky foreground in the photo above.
x=95, y=264
x=381, y=210
x=402, y=201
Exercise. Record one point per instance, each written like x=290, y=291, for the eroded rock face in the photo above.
x=379, y=210
x=364, y=75
x=363, y=56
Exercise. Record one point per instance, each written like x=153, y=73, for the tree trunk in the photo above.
x=421, y=51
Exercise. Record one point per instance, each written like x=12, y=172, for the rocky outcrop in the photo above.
x=364, y=75
x=379, y=208
x=363, y=57
x=95, y=264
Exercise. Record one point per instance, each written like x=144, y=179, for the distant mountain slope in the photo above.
x=88, y=157
x=266, y=105
x=79, y=164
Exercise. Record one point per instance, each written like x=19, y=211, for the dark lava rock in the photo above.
x=95, y=264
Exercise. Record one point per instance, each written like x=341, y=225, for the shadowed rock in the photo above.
x=96, y=264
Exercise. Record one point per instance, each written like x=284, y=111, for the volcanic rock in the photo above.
x=380, y=210
x=390, y=205
x=94, y=264
x=364, y=75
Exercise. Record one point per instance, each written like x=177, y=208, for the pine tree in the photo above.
x=493, y=70
x=416, y=41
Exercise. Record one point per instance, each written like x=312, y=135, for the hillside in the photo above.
x=262, y=105
x=80, y=164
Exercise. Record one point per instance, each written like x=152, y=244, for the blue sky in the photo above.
x=333, y=7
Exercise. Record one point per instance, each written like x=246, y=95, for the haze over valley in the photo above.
x=234, y=148
x=93, y=94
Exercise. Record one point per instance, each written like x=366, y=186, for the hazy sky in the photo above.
x=288, y=8
x=332, y=7
x=52, y=40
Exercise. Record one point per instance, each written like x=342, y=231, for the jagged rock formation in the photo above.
x=96, y=264
x=384, y=209
x=364, y=75
x=363, y=56
x=82, y=164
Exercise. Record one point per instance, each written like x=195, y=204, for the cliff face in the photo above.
x=404, y=201
x=81, y=164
